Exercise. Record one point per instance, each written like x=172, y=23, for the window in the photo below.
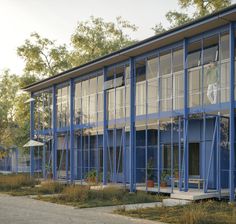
x=194, y=74
x=165, y=63
x=194, y=54
x=178, y=80
x=224, y=68
x=165, y=82
x=211, y=70
x=152, y=68
x=63, y=106
x=140, y=101
x=77, y=104
x=152, y=84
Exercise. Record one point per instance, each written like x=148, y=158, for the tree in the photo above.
x=201, y=7
x=9, y=87
x=95, y=38
x=43, y=57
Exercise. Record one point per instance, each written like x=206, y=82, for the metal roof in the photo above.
x=187, y=30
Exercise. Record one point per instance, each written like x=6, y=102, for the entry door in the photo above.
x=194, y=155
x=115, y=155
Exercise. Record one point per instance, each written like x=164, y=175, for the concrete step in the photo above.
x=174, y=202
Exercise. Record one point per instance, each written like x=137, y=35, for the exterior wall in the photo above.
x=115, y=121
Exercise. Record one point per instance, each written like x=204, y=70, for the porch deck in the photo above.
x=192, y=194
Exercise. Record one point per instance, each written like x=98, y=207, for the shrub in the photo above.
x=195, y=215
x=16, y=181
x=75, y=193
x=51, y=187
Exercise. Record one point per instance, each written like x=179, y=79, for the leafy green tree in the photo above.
x=9, y=87
x=43, y=57
x=95, y=38
x=201, y=8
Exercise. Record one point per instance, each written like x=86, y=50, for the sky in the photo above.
x=57, y=19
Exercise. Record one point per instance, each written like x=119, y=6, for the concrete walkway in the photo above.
x=24, y=210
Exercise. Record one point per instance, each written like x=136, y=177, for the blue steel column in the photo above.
x=231, y=113
x=204, y=153
x=72, y=93
x=54, y=131
x=31, y=136
x=180, y=157
x=185, y=121
x=44, y=159
x=104, y=128
x=132, y=126
x=159, y=156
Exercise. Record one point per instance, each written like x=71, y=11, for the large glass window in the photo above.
x=178, y=81
x=211, y=70
x=63, y=107
x=77, y=103
x=224, y=68
x=117, y=92
x=89, y=100
x=140, y=102
x=152, y=84
x=165, y=82
x=194, y=74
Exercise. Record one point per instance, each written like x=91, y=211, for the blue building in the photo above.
x=160, y=111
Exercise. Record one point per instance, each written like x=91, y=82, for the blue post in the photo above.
x=81, y=156
x=219, y=154
x=185, y=121
x=204, y=153
x=124, y=155
x=44, y=159
x=132, y=126
x=172, y=157
x=114, y=156
x=31, y=136
x=72, y=151
x=54, y=132
x=67, y=159
x=17, y=158
x=97, y=159
x=231, y=114
x=104, y=128
x=179, y=157
x=159, y=156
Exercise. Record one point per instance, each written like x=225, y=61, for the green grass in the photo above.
x=83, y=197
x=208, y=212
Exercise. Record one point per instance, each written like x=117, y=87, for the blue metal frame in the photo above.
x=72, y=154
x=185, y=120
x=132, y=127
x=104, y=129
x=54, y=131
x=231, y=114
x=32, y=135
x=183, y=162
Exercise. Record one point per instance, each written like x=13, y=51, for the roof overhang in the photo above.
x=196, y=27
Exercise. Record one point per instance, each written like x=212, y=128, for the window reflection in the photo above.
x=63, y=107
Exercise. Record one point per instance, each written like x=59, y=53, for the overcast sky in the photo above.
x=56, y=19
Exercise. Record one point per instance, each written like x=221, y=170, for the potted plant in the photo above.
x=150, y=173
x=164, y=178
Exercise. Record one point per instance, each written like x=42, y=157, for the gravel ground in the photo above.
x=24, y=210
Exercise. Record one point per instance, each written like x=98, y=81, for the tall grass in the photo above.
x=16, y=181
x=51, y=187
x=206, y=212
x=107, y=196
